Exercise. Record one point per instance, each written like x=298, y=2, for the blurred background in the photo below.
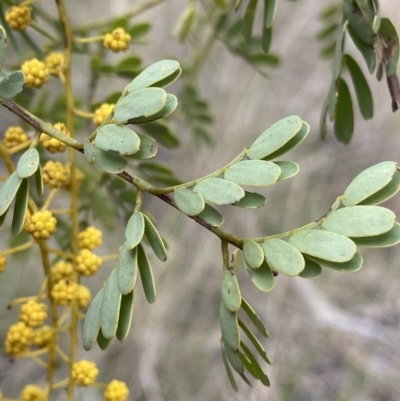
x=334, y=338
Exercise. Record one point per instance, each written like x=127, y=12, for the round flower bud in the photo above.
x=62, y=270
x=84, y=296
x=33, y=313
x=19, y=338
x=54, y=62
x=64, y=292
x=84, y=373
x=116, y=391
x=32, y=393
x=87, y=263
x=117, y=41
x=14, y=136
x=19, y=17
x=55, y=175
x=41, y=225
x=90, y=238
x=42, y=336
x=101, y=113
x=53, y=145
x=3, y=262
x=36, y=73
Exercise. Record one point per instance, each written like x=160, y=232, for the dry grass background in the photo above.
x=335, y=338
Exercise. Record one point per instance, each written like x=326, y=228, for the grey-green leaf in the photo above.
x=12, y=84
x=229, y=327
x=28, y=163
x=146, y=275
x=142, y=103
x=110, y=306
x=248, y=21
x=283, y=257
x=219, y=191
x=103, y=341
x=366, y=50
x=8, y=191
x=91, y=324
x=117, y=139
x=352, y=265
x=230, y=291
x=134, y=230
x=211, y=216
x=238, y=263
x=155, y=74
x=109, y=161
x=344, y=119
x=385, y=193
x=148, y=148
x=251, y=200
x=311, y=269
x=387, y=239
x=155, y=239
x=39, y=181
x=256, y=173
x=228, y=368
x=338, y=55
x=188, y=202
x=127, y=267
x=263, y=278
x=3, y=46
x=275, y=137
x=358, y=22
x=324, y=244
x=250, y=312
x=260, y=373
x=88, y=151
x=369, y=182
x=288, y=169
x=269, y=13
x=360, y=221
x=125, y=316
x=235, y=360
x=21, y=204
x=253, y=253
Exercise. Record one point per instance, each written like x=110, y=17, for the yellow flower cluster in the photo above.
x=83, y=296
x=101, y=113
x=14, y=136
x=19, y=17
x=32, y=392
x=3, y=262
x=62, y=270
x=90, y=238
x=42, y=336
x=54, y=62
x=117, y=41
x=116, y=391
x=36, y=73
x=41, y=225
x=87, y=263
x=64, y=292
x=19, y=338
x=53, y=145
x=84, y=373
x=55, y=175
x=33, y=313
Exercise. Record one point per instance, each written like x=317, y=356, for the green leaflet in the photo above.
x=142, y=103
x=219, y=191
x=8, y=191
x=117, y=139
x=109, y=161
x=3, y=46
x=256, y=173
x=385, y=193
x=339, y=49
x=269, y=13
x=366, y=50
x=91, y=324
x=292, y=143
x=3, y=218
x=324, y=244
x=387, y=239
x=211, y=216
x=344, y=119
x=28, y=163
x=88, y=151
x=39, y=181
x=146, y=275
x=12, y=84
x=125, y=316
x=228, y=368
x=288, y=169
x=254, y=318
x=251, y=200
x=275, y=137
x=155, y=239
x=230, y=291
x=283, y=257
x=110, y=306
x=253, y=253
x=236, y=362
x=21, y=204
x=170, y=105
x=358, y=22
x=369, y=182
x=353, y=265
x=160, y=74
x=103, y=341
x=360, y=221
x=262, y=277
x=311, y=269
x=363, y=92
x=248, y=21
x=188, y=202
x=185, y=22
x=148, y=148
x=127, y=267
x=388, y=33
x=229, y=327
x=260, y=373
x=134, y=230
x=238, y=263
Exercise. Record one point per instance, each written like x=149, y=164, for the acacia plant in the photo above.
x=118, y=140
